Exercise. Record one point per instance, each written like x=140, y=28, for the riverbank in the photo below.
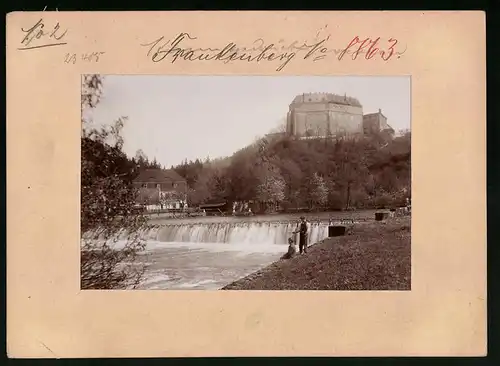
x=277, y=217
x=374, y=256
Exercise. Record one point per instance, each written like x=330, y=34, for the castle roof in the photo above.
x=326, y=97
x=158, y=176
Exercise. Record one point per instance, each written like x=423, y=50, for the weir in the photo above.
x=210, y=255
x=233, y=233
x=237, y=232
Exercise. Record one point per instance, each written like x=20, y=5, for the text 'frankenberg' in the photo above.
x=179, y=49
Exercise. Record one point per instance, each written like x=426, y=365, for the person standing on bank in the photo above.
x=302, y=235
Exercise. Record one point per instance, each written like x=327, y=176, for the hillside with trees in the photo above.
x=316, y=174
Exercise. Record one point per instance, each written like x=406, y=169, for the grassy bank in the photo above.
x=373, y=256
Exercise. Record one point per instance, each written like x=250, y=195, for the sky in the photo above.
x=173, y=118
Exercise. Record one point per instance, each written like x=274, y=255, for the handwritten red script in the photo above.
x=370, y=48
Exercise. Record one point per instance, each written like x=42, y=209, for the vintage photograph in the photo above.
x=245, y=182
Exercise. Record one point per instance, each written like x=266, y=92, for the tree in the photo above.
x=350, y=167
x=91, y=90
x=201, y=191
x=107, y=203
x=211, y=186
x=319, y=190
x=241, y=177
x=142, y=161
x=292, y=174
x=271, y=189
x=155, y=164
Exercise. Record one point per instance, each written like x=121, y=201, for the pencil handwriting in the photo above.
x=89, y=57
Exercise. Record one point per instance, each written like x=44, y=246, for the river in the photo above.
x=207, y=253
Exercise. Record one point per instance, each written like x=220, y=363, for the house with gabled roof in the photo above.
x=161, y=189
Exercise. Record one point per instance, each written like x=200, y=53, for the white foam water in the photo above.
x=210, y=256
x=234, y=233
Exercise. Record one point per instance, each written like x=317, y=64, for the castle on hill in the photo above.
x=315, y=115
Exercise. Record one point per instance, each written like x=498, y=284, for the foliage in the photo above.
x=190, y=171
x=272, y=185
x=209, y=187
x=107, y=203
x=319, y=191
x=317, y=173
x=142, y=161
x=91, y=90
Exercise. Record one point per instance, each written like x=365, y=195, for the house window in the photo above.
x=158, y=185
x=144, y=185
x=174, y=185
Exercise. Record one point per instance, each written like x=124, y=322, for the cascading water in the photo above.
x=233, y=233
x=208, y=255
